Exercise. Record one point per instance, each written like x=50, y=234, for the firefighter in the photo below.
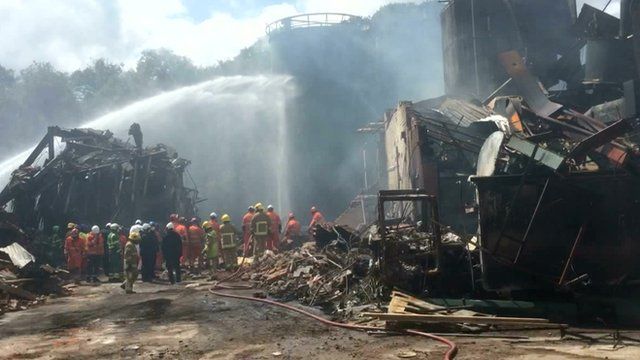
x=316, y=219
x=131, y=259
x=148, y=250
x=136, y=227
x=74, y=250
x=228, y=243
x=276, y=229
x=95, y=251
x=194, y=243
x=70, y=227
x=260, y=230
x=181, y=228
x=122, y=236
x=246, y=229
x=105, y=231
x=114, y=254
x=173, y=218
x=210, y=251
x=136, y=132
x=213, y=219
x=292, y=232
x=293, y=227
x=156, y=231
x=171, y=252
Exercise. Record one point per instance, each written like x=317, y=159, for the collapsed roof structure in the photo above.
x=90, y=177
x=534, y=149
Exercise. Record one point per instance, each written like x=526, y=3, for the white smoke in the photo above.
x=233, y=129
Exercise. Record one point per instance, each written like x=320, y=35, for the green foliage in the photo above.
x=7, y=79
x=41, y=96
x=370, y=70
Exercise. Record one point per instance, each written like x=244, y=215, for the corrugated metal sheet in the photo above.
x=19, y=256
x=463, y=112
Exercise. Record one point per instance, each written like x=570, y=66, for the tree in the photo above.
x=7, y=78
x=164, y=70
x=90, y=80
x=46, y=97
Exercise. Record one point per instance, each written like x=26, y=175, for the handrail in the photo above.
x=310, y=20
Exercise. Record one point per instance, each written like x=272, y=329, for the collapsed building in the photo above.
x=90, y=177
x=531, y=157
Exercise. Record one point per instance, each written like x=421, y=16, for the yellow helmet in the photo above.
x=134, y=236
x=259, y=207
x=71, y=225
x=206, y=225
x=226, y=218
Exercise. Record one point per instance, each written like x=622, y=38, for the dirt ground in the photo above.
x=185, y=321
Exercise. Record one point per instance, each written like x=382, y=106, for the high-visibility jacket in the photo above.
x=95, y=244
x=246, y=222
x=195, y=235
x=293, y=228
x=131, y=256
x=123, y=241
x=211, y=246
x=276, y=223
x=215, y=225
x=182, y=231
x=317, y=219
x=113, y=242
x=260, y=224
x=74, y=248
x=228, y=236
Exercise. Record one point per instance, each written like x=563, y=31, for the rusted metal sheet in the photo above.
x=528, y=86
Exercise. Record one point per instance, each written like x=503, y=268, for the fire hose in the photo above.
x=449, y=355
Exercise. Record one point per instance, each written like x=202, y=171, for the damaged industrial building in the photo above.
x=531, y=158
x=510, y=204
x=88, y=176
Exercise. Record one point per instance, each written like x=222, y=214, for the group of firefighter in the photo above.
x=181, y=243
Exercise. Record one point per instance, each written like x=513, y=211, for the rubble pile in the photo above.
x=23, y=282
x=338, y=278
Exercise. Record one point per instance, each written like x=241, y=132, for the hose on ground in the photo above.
x=449, y=355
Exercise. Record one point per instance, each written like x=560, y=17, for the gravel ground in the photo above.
x=164, y=321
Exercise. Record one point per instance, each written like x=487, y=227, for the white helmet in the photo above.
x=213, y=215
x=170, y=226
x=270, y=207
x=95, y=229
x=146, y=226
x=138, y=222
x=115, y=227
x=108, y=226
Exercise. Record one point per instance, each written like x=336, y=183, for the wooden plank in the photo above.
x=403, y=303
x=18, y=281
x=456, y=319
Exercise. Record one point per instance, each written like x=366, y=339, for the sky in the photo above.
x=72, y=33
